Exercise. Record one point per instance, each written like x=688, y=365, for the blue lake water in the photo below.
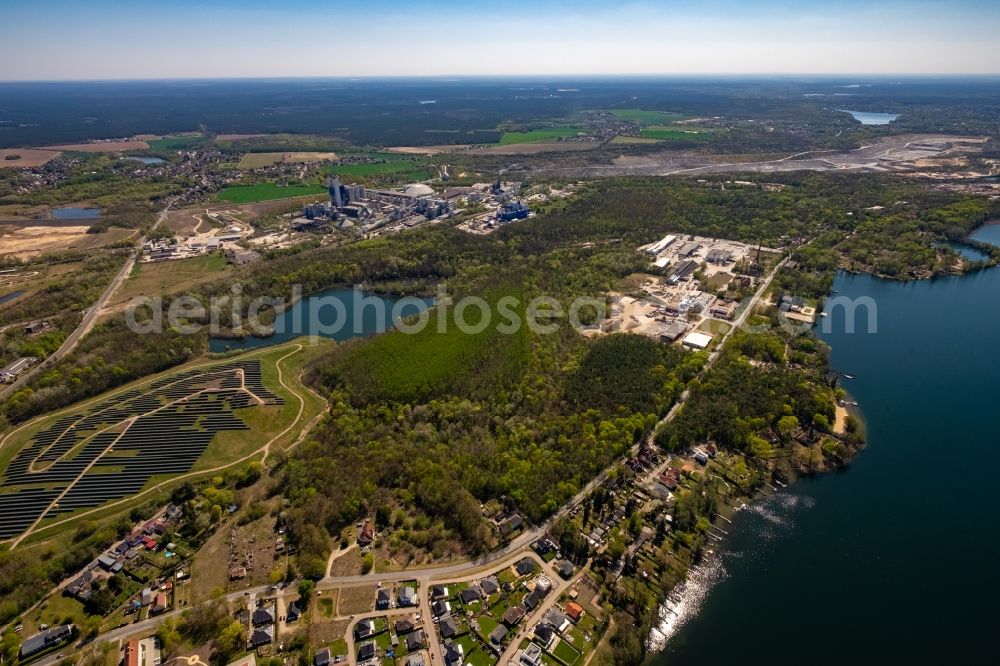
x=9, y=296
x=871, y=117
x=339, y=314
x=967, y=251
x=146, y=160
x=76, y=213
x=892, y=561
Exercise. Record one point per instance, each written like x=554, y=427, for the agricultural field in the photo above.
x=541, y=134
x=415, y=170
x=25, y=157
x=647, y=117
x=174, y=143
x=242, y=194
x=676, y=133
x=201, y=418
x=258, y=160
x=101, y=146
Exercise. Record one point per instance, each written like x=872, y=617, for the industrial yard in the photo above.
x=692, y=291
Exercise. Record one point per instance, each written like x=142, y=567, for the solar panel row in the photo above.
x=172, y=422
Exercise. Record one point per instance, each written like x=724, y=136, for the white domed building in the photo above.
x=418, y=190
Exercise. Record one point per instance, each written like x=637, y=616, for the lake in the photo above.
x=893, y=560
x=339, y=314
x=146, y=160
x=871, y=117
x=9, y=296
x=76, y=213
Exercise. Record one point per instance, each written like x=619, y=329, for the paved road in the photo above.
x=90, y=316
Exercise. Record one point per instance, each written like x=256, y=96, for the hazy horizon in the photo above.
x=56, y=40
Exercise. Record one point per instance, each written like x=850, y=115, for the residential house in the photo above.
x=364, y=628
x=439, y=591
x=414, y=660
x=511, y=525
x=404, y=626
x=366, y=651
x=448, y=628
x=263, y=614
x=566, y=569
x=498, y=634
x=470, y=595
x=159, y=604
x=440, y=608
x=543, y=546
x=415, y=641
x=574, y=611
x=323, y=658
x=454, y=654
x=293, y=613
x=525, y=567
x=367, y=533
x=262, y=635
x=131, y=657
x=532, y=600
x=531, y=655
x=383, y=599
x=544, y=633
x=513, y=615
x=489, y=585
x=406, y=596
x=557, y=619
x=46, y=639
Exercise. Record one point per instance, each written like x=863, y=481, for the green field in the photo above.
x=646, y=117
x=243, y=194
x=543, y=134
x=172, y=143
x=381, y=169
x=565, y=653
x=426, y=364
x=673, y=133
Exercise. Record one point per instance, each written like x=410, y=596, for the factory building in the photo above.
x=719, y=256
x=688, y=249
x=672, y=332
x=697, y=340
x=661, y=245
x=682, y=271
x=12, y=370
x=513, y=211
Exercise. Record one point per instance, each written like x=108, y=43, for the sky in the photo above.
x=98, y=39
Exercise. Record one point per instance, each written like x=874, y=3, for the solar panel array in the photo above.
x=161, y=429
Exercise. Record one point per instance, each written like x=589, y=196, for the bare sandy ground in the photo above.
x=257, y=160
x=840, y=422
x=428, y=150
x=309, y=157
x=237, y=137
x=32, y=241
x=101, y=147
x=30, y=157
x=535, y=148
x=633, y=160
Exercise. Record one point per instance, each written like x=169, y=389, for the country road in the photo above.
x=91, y=314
